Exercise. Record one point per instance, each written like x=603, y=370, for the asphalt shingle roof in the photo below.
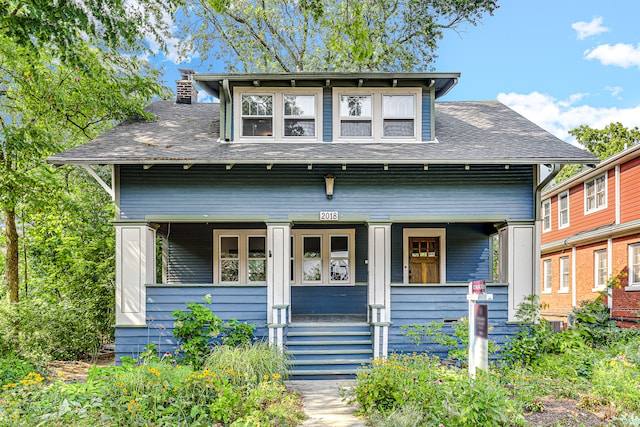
x=466, y=132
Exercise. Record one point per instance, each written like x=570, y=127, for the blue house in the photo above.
x=329, y=209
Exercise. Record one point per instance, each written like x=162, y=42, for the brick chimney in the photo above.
x=186, y=92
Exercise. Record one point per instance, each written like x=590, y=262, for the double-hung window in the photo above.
x=240, y=256
x=398, y=116
x=600, y=268
x=548, y=276
x=546, y=215
x=595, y=193
x=299, y=115
x=356, y=116
x=563, y=210
x=257, y=115
x=634, y=267
x=564, y=275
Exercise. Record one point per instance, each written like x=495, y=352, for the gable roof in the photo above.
x=483, y=132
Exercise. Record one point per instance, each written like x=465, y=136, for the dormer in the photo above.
x=327, y=107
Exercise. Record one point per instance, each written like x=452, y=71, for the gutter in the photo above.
x=227, y=109
x=557, y=167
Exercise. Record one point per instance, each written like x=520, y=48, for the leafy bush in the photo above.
x=445, y=396
x=13, y=369
x=198, y=329
x=40, y=330
x=456, y=343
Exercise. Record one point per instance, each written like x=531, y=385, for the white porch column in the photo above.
x=278, y=279
x=379, y=292
x=135, y=267
x=519, y=262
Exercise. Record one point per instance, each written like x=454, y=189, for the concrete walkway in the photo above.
x=324, y=405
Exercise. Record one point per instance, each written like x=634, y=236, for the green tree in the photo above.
x=603, y=143
x=322, y=35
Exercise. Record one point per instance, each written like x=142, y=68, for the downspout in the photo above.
x=228, y=112
x=555, y=170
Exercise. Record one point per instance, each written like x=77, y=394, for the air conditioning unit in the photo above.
x=571, y=319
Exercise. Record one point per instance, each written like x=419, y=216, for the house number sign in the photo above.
x=328, y=216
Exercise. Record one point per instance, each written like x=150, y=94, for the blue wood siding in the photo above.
x=327, y=114
x=443, y=190
x=424, y=304
x=426, y=115
x=467, y=251
x=329, y=299
x=247, y=304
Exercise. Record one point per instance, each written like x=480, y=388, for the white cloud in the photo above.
x=588, y=29
x=560, y=116
x=614, y=91
x=621, y=55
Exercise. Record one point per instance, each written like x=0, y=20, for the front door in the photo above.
x=424, y=260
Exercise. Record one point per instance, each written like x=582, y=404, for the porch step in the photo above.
x=324, y=350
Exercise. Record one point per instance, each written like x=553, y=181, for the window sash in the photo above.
x=299, y=120
x=564, y=274
x=240, y=256
x=595, y=193
x=563, y=210
x=548, y=277
x=356, y=115
x=634, y=265
x=600, y=263
x=257, y=114
x=546, y=215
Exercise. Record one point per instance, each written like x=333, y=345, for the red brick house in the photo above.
x=590, y=239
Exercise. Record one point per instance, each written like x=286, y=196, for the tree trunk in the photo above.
x=11, y=272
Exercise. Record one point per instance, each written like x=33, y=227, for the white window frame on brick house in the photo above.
x=564, y=275
x=563, y=210
x=336, y=267
x=281, y=116
x=633, y=268
x=600, y=270
x=381, y=113
x=595, y=194
x=546, y=215
x=243, y=256
x=547, y=276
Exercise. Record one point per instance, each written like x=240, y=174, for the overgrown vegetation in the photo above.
x=595, y=363
x=160, y=393
x=198, y=330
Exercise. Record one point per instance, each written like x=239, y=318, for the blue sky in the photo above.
x=560, y=63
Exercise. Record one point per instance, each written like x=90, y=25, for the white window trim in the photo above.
x=560, y=224
x=377, y=114
x=606, y=193
x=243, y=254
x=632, y=286
x=547, y=272
x=325, y=234
x=596, y=286
x=424, y=232
x=564, y=264
x=546, y=202
x=278, y=113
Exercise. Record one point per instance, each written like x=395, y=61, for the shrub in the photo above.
x=445, y=396
x=198, y=329
x=457, y=343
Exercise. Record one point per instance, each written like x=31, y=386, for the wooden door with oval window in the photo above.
x=424, y=260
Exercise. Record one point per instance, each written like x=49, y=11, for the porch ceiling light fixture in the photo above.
x=329, y=179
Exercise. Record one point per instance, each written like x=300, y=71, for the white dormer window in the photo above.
x=277, y=114
x=376, y=114
x=257, y=115
x=299, y=115
x=356, y=116
x=398, y=115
